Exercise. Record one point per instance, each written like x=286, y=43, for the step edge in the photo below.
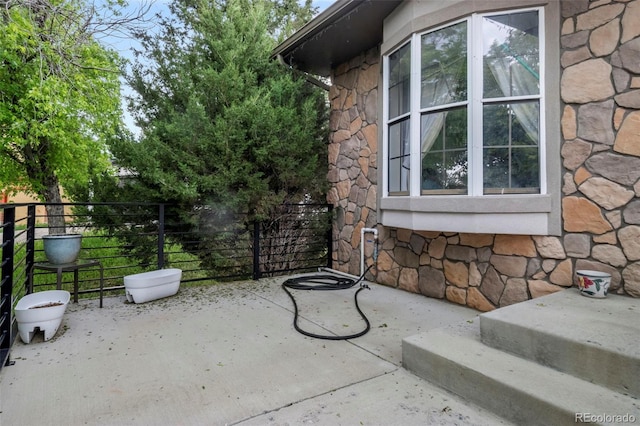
x=596, y=363
x=543, y=397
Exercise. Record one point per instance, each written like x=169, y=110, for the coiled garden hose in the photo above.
x=324, y=282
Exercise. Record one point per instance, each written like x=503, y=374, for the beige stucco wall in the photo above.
x=600, y=178
x=21, y=211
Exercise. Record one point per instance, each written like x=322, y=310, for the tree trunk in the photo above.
x=43, y=175
x=55, y=212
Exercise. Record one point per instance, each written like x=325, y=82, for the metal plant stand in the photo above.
x=68, y=267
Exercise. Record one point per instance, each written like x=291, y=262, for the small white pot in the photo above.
x=593, y=283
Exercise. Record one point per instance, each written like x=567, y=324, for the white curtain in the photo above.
x=514, y=78
x=431, y=126
x=405, y=171
x=436, y=91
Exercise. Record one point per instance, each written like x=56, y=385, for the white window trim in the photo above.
x=527, y=214
x=521, y=214
x=416, y=167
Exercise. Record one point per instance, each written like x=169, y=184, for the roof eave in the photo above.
x=344, y=30
x=314, y=26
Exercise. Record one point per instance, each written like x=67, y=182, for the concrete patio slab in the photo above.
x=228, y=354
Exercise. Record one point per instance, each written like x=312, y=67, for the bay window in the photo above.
x=464, y=125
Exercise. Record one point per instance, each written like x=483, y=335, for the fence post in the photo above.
x=256, y=250
x=161, y=236
x=330, y=236
x=31, y=242
x=6, y=302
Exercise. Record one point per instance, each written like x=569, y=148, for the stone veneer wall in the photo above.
x=600, y=91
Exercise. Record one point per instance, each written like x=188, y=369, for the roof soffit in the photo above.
x=343, y=31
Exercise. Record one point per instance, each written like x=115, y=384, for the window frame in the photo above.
x=510, y=213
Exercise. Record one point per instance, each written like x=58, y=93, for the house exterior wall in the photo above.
x=600, y=202
x=21, y=197
x=21, y=212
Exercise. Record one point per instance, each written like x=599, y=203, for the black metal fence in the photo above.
x=126, y=238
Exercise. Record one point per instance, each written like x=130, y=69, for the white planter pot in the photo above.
x=152, y=285
x=41, y=311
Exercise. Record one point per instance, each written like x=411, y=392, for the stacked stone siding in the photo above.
x=353, y=154
x=600, y=89
x=600, y=92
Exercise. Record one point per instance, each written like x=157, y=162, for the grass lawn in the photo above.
x=116, y=262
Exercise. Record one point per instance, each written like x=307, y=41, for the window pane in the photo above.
x=511, y=61
x=525, y=123
x=511, y=124
x=399, y=81
x=394, y=173
x=507, y=169
x=525, y=168
x=399, y=156
x=444, y=66
x=495, y=125
x=496, y=168
x=444, y=150
x=511, y=141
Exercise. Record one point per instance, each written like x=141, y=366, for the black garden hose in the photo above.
x=320, y=282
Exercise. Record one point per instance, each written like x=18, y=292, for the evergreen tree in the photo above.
x=222, y=123
x=224, y=127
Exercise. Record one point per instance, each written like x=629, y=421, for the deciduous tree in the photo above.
x=59, y=96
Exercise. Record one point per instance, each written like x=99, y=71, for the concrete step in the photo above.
x=517, y=389
x=597, y=340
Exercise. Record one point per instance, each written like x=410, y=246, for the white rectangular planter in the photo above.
x=152, y=285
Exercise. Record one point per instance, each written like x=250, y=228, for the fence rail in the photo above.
x=127, y=238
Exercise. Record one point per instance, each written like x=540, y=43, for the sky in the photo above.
x=124, y=47
x=322, y=4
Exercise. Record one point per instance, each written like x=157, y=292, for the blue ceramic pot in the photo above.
x=63, y=248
